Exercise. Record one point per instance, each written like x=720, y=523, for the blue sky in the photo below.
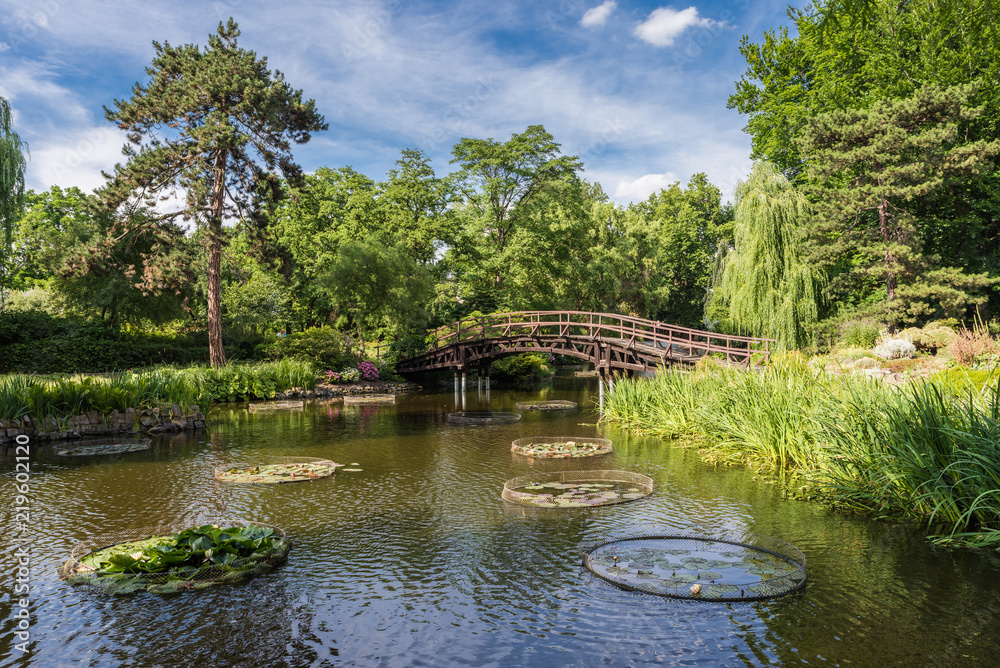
x=638, y=90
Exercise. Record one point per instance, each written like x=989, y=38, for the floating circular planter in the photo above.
x=277, y=405
x=167, y=560
x=87, y=450
x=482, y=417
x=281, y=469
x=752, y=568
x=554, y=405
x=577, y=489
x=370, y=399
x=560, y=447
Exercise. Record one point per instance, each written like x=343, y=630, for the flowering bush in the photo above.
x=368, y=370
x=345, y=376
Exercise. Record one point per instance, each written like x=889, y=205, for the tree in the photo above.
x=416, y=204
x=766, y=287
x=12, y=166
x=671, y=239
x=866, y=166
x=217, y=125
x=375, y=285
x=503, y=182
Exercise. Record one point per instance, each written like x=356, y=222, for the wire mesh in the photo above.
x=91, y=558
x=278, y=470
x=577, y=489
x=751, y=568
x=560, y=447
x=552, y=405
x=482, y=417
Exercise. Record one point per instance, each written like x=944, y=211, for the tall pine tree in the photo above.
x=214, y=126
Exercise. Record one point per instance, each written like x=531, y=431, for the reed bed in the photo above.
x=920, y=450
x=60, y=398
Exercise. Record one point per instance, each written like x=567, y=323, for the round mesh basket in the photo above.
x=121, y=563
x=482, y=417
x=560, y=447
x=577, y=489
x=554, y=405
x=103, y=448
x=750, y=568
x=278, y=470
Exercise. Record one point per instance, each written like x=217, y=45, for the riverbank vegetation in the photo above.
x=927, y=449
x=62, y=397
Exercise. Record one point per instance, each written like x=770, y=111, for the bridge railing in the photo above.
x=603, y=326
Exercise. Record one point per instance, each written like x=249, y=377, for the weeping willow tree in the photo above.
x=12, y=165
x=764, y=288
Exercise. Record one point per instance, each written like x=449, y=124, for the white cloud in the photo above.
x=598, y=16
x=644, y=186
x=666, y=24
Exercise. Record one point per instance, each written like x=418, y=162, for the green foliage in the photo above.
x=216, y=124
x=190, y=549
x=378, y=287
x=12, y=166
x=768, y=287
x=262, y=380
x=523, y=368
x=925, y=450
x=323, y=347
x=860, y=333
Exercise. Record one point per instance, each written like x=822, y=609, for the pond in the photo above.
x=416, y=560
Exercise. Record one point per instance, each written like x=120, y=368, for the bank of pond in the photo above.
x=927, y=450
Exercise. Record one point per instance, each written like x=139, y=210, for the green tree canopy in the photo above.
x=215, y=126
x=866, y=165
x=766, y=287
x=12, y=166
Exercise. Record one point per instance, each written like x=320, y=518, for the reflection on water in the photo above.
x=417, y=561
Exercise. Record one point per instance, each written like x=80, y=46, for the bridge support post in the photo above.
x=456, y=383
x=600, y=391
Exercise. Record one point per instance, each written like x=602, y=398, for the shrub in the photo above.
x=894, y=348
x=863, y=333
x=973, y=348
x=520, y=368
x=368, y=370
x=321, y=346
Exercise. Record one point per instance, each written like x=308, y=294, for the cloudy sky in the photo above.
x=637, y=89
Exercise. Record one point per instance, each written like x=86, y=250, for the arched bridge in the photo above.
x=608, y=341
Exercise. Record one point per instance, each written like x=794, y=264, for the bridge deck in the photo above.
x=608, y=341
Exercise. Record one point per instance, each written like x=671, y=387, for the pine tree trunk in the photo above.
x=216, y=353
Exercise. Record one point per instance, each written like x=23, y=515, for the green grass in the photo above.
x=927, y=450
x=63, y=397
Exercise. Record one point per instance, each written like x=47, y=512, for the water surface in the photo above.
x=417, y=561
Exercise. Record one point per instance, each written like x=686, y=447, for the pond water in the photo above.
x=415, y=560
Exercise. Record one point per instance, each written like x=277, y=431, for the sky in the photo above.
x=637, y=90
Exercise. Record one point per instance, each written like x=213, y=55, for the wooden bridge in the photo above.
x=607, y=341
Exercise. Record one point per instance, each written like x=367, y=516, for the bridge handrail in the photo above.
x=639, y=328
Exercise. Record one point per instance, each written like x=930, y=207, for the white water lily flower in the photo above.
x=136, y=555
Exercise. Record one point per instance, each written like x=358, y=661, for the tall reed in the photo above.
x=917, y=450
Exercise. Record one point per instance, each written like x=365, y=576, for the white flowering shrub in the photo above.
x=891, y=348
